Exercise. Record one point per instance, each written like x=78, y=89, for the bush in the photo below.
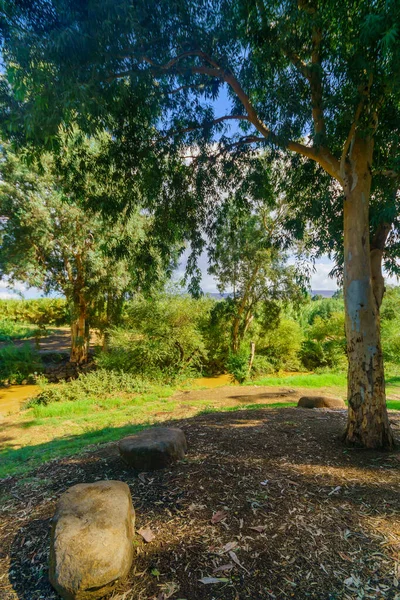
x=161, y=338
x=325, y=345
x=217, y=336
x=391, y=340
x=9, y=330
x=238, y=364
x=95, y=383
x=18, y=364
x=262, y=366
x=281, y=345
x=322, y=308
x=51, y=311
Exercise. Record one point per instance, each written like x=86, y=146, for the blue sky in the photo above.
x=319, y=281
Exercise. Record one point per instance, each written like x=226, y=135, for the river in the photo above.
x=12, y=397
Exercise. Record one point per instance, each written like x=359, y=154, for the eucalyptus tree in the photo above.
x=305, y=76
x=50, y=238
x=248, y=263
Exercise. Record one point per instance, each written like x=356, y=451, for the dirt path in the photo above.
x=58, y=341
x=301, y=516
x=245, y=394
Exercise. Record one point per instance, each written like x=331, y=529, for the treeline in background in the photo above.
x=172, y=336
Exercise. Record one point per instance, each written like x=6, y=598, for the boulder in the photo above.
x=153, y=448
x=91, y=546
x=320, y=402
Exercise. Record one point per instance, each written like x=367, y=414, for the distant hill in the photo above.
x=324, y=293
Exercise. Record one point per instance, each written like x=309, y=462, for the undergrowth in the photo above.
x=19, y=364
x=96, y=383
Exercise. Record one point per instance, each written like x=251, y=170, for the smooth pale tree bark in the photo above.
x=368, y=423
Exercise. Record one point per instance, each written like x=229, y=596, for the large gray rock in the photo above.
x=320, y=402
x=153, y=448
x=91, y=539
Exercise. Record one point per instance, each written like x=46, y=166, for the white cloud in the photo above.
x=320, y=280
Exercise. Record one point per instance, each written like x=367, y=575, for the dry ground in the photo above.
x=57, y=341
x=301, y=516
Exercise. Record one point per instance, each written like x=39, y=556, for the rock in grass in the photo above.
x=153, y=448
x=320, y=402
x=91, y=539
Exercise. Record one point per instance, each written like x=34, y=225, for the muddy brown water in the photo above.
x=11, y=398
x=213, y=382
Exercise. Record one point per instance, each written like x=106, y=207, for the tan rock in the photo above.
x=153, y=448
x=91, y=539
x=320, y=402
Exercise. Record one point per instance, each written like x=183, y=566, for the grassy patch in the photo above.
x=312, y=380
x=18, y=364
x=99, y=409
x=63, y=428
x=330, y=383
x=9, y=330
x=253, y=406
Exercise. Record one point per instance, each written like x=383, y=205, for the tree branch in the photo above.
x=171, y=132
x=321, y=155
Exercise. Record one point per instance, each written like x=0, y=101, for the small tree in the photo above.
x=247, y=262
x=51, y=241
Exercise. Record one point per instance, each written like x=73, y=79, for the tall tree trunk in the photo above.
x=252, y=353
x=79, y=335
x=368, y=423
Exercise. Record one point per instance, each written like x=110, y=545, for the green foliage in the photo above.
x=47, y=311
x=19, y=364
x=247, y=260
x=9, y=330
x=238, y=364
x=281, y=345
x=95, y=383
x=325, y=345
x=390, y=325
x=390, y=309
x=217, y=334
x=262, y=365
x=161, y=337
x=322, y=308
x=52, y=238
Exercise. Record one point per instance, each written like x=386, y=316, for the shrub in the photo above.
x=322, y=308
x=282, y=344
x=9, y=330
x=391, y=340
x=94, y=383
x=161, y=337
x=52, y=311
x=238, y=364
x=262, y=366
x=18, y=364
x=217, y=336
x=325, y=345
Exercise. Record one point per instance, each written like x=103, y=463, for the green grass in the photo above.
x=9, y=330
x=334, y=383
x=18, y=364
x=69, y=423
x=253, y=406
x=313, y=380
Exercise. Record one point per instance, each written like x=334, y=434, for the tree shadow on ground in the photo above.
x=270, y=468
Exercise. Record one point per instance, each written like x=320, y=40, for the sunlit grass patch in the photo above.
x=313, y=380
